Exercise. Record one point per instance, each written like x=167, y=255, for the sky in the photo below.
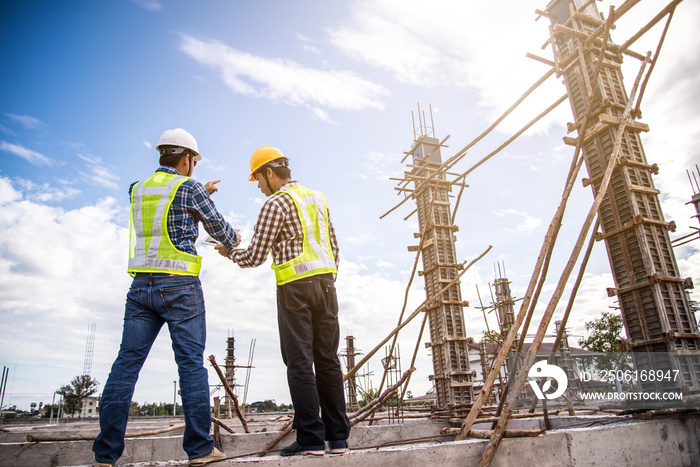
x=88, y=88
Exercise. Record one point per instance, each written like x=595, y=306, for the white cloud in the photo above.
x=27, y=121
x=61, y=270
x=527, y=224
x=445, y=45
x=65, y=269
x=361, y=238
x=284, y=80
x=321, y=115
x=98, y=174
x=45, y=192
x=381, y=264
x=7, y=193
x=30, y=156
x=379, y=166
x=150, y=5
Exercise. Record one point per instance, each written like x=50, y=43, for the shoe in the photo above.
x=338, y=447
x=213, y=456
x=296, y=448
x=101, y=464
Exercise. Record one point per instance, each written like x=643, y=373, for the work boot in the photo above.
x=338, y=447
x=215, y=455
x=296, y=448
x=101, y=464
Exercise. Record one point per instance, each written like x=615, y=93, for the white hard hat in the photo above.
x=181, y=138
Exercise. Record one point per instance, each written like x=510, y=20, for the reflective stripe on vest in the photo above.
x=317, y=255
x=150, y=248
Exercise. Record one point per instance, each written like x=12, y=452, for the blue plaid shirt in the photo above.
x=192, y=204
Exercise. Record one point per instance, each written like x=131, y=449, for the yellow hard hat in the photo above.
x=264, y=155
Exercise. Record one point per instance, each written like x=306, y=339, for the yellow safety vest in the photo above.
x=150, y=248
x=317, y=255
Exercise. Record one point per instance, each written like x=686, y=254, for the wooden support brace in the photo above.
x=587, y=19
x=139, y=434
x=221, y=424
x=629, y=162
x=540, y=59
x=561, y=29
x=229, y=392
x=653, y=279
x=615, y=121
x=635, y=221
x=486, y=434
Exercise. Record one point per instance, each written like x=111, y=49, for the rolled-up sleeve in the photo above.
x=213, y=222
x=267, y=228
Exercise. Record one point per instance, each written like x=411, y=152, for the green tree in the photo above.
x=80, y=388
x=47, y=410
x=368, y=397
x=604, y=337
x=268, y=405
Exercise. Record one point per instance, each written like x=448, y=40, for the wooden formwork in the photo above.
x=654, y=305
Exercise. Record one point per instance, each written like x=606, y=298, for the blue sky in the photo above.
x=88, y=87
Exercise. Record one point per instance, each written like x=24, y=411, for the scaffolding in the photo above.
x=626, y=208
x=230, y=373
x=452, y=375
x=659, y=323
x=693, y=177
x=351, y=384
x=89, y=349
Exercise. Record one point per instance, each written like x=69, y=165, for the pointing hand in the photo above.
x=211, y=186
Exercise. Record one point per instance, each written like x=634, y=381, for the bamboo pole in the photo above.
x=510, y=337
x=501, y=147
x=413, y=361
x=221, y=424
x=408, y=288
x=284, y=432
x=37, y=439
x=367, y=410
x=217, y=431
x=458, y=156
x=486, y=434
x=230, y=393
x=520, y=381
x=542, y=267
x=570, y=304
x=422, y=307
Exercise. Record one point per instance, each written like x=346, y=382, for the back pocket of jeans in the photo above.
x=133, y=306
x=331, y=297
x=296, y=294
x=181, y=301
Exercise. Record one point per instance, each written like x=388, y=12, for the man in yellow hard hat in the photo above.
x=165, y=213
x=295, y=227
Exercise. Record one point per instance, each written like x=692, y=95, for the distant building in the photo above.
x=88, y=410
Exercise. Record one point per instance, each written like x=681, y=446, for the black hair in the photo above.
x=282, y=172
x=168, y=158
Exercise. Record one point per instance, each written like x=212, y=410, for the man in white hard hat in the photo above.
x=295, y=227
x=165, y=213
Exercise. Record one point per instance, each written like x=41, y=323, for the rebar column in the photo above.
x=661, y=329
x=349, y=354
x=448, y=336
x=504, y=307
x=230, y=369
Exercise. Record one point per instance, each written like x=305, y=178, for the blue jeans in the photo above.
x=152, y=300
x=307, y=313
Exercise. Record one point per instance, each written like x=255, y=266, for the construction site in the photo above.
x=522, y=397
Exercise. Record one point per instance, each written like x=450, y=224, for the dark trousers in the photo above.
x=307, y=312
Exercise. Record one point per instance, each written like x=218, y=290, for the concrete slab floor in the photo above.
x=586, y=441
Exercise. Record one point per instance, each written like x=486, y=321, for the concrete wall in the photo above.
x=597, y=441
